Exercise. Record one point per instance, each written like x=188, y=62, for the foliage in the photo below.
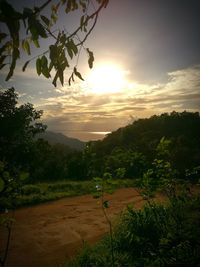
x=35, y=25
x=104, y=185
x=10, y=187
x=6, y=222
x=134, y=147
x=31, y=194
x=18, y=124
x=161, y=175
x=154, y=236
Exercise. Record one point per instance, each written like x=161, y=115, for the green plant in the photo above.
x=104, y=185
x=10, y=187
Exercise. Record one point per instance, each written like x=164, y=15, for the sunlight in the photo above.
x=106, y=78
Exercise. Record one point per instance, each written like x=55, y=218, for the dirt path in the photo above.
x=50, y=233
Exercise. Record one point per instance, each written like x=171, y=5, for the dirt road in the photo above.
x=50, y=233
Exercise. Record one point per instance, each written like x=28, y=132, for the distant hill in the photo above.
x=143, y=136
x=59, y=138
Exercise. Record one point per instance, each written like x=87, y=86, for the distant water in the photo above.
x=85, y=135
x=102, y=133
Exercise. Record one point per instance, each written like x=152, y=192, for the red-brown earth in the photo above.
x=53, y=232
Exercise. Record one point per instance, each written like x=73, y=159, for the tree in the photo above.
x=36, y=26
x=18, y=126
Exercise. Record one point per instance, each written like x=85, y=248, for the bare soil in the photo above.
x=53, y=232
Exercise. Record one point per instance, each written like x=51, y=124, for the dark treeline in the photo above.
x=134, y=147
x=127, y=152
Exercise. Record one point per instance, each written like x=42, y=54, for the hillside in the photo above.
x=59, y=138
x=140, y=139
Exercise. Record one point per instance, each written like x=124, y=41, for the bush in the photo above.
x=155, y=236
x=30, y=189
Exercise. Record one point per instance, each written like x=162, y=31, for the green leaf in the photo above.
x=54, y=17
x=91, y=58
x=41, y=30
x=73, y=46
x=26, y=46
x=15, y=56
x=53, y=53
x=44, y=67
x=23, y=176
x=69, y=51
x=69, y=81
x=78, y=74
x=82, y=21
x=34, y=32
x=36, y=43
x=25, y=65
x=38, y=66
x=46, y=20
x=50, y=66
x=55, y=79
x=61, y=76
x=44, y=61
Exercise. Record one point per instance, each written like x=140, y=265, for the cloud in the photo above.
x=76, y=111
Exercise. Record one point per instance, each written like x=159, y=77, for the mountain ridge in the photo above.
x=59, y=138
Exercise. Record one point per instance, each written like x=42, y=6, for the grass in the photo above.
x=32, y=194
x=157, y=235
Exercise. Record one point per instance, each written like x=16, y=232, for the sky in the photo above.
x=147, y=61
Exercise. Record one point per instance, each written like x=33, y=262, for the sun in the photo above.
x=106, y=78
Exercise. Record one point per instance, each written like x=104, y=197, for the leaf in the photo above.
x=34, y=32
x=60, y=75
x=82, y=22
x=23, y=176
x=15, y=56
x=69, y=81
x=50, y=66
x=53, y=53
x=91, y=58
x=36, y=43
x=73, y=46
x=54, y=17
x=38, y=66
x=46, y=20
x=55, y=79
x=25, y=65
x=69, y=51
x=44, y=67
x=41, y=30
x=78, y=74
x=44, y=61
x=26, y=46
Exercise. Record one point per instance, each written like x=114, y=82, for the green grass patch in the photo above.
x=32, y=194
